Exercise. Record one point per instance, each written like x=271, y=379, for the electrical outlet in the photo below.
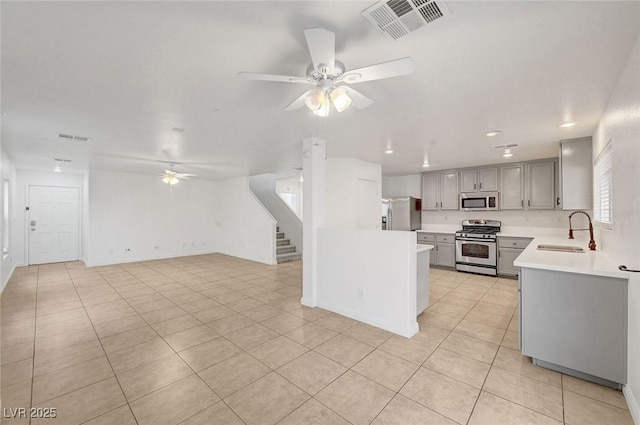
x=127, y=250
x=156, y=247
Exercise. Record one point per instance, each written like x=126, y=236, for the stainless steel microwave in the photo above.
x=487, y=201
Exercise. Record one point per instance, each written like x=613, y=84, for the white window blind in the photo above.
x=602, y=188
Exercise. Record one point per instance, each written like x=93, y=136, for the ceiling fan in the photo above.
x=172, y=176
x=331, y=78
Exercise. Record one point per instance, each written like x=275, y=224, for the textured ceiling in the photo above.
x=125, y=74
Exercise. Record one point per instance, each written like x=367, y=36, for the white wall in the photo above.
x=8, y=260
x=151, y=219
x=85, y=228
x=243, y=227
x=24, y=179
x=314, y=166
x=264, y=187
x=620, y=123
x=345, y=208
x=292, y=185
x=370, y=276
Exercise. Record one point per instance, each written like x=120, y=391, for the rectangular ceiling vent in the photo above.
x=62, y=160
x=509, y=146
x=70, y=137
x=400, y=17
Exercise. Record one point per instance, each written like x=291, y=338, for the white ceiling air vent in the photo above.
x=509, y=146
x=70, y=137
x=400, y=17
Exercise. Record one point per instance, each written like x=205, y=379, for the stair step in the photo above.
x=285, y=249
x=283, y=242
x=279, y=235
x=292, y=256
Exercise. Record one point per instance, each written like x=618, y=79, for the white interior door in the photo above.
x=53, y=224
x=369, y=201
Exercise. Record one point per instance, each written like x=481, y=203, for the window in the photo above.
x=5, y=218
x=602, y=189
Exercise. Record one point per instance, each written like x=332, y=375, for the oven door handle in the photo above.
x=476, y=240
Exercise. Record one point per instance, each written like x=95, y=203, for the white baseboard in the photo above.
x=122, y=260
x=632, y=403
x=406, y=332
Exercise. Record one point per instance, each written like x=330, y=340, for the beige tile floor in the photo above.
x=217, y=340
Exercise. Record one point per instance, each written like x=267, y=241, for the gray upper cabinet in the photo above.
x=440, y=191
x=449, y=190
x=468, y=181
x=511, y=182
x=576, y=174
x=480, y=180
x=430, y=187
x=541, y=186
x=488, y=179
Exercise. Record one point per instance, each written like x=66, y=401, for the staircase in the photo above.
x=284, y=250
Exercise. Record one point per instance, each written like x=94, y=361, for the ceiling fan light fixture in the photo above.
x=316, y=99
x=323, y=111
x=340, y=99
x=171, y=180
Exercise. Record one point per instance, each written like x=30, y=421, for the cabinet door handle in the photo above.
x=474, y=186
x=625, y=269
x=558, y=200
x=529, y=202
x=522, y=202
x=480, y=185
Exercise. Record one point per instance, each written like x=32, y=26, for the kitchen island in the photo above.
x=573, y=311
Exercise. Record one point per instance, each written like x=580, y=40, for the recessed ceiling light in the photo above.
x=507, y=153
x=426, y=164
x=57, y=169
x=566, y=125
x=493, y=133
x=388, y=151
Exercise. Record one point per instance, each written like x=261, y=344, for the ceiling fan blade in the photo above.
x=274, y=77
x=379, y=71
x=185, y=175
x=299, y=102
x=322, y=47
x=358, y=100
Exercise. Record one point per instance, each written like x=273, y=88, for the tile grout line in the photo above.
x=103, y=350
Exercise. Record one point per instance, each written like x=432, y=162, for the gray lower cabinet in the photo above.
x=508, y=250
x=506, y=257
x=443, y=253
x=575, y=323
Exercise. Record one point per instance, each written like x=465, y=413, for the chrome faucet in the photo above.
x=592, y=243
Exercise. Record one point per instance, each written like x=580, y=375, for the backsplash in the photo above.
x=511, y=218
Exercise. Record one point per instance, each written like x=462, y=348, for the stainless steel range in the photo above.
x=476, y=248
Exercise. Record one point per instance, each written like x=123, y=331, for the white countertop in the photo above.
x=533, y=232
x=590, y=262
x=440, y=228
x=423, y=247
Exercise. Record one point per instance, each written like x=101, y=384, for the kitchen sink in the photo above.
x=560, y=248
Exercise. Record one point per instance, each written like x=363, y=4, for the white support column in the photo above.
x=314, y=165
